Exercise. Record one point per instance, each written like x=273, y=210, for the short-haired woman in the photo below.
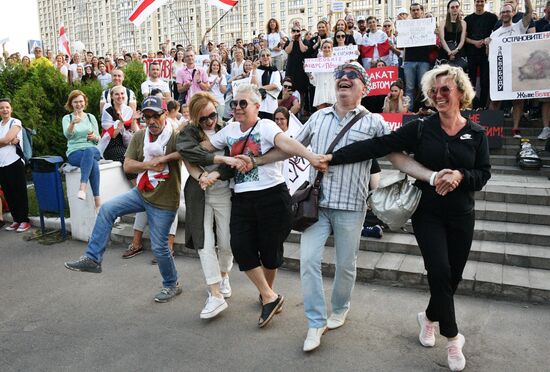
x=267, y=78
x=82, y=133
x=12, y=168
x=457, y=150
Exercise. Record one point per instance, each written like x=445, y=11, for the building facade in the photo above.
x=102, y=25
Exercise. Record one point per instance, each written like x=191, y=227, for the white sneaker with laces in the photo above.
x=313, y=338
x=213, y=307
x=337, y=320
x=427, y=330
x=225, y=287
x=545, y=134
x=455, y=358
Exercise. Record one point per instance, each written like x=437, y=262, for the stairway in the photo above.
x=510, y=255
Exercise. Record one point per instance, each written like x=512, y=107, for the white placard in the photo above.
x=200, y=58
x=347, y=52
x=235, y=84
x=4, y=41
x=323, y=64
x=338, y=6
x=295, y=168
x=519, y=67
x=415, y=32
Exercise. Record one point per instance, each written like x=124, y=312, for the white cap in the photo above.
x=401, y=11
x=361, y=18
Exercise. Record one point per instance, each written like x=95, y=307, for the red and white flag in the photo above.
x=144, y=9
x=223, y=4
x=63, y=41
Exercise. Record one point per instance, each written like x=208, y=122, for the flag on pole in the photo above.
x=144, y=9
x=223, y=4
x=63, y=42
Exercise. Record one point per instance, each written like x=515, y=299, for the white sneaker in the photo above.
x=337, y=320
x=455, y=358
x=545, y=134
x=213, y=307
x=225, y=287
x=81, y=195
x=313, y=338
x=427, y=330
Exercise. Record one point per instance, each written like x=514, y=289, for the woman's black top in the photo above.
x=295, y=68
x=467, y=151
x=453, y=40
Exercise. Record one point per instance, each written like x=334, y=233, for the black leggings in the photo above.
x=445, y=245
x=12, y=180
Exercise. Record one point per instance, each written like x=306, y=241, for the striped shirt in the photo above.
x=345, y=186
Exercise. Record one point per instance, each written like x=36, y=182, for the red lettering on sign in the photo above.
x=475, y=118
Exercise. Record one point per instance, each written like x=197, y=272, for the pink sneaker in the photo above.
x=14, y=226
x=455, y=358
x=427, y=330
x=24, y=226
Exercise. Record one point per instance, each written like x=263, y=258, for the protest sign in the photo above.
x=338, y=6
x=4, y=41
x=491, y=120
x=347, y=52
x=322, y=64
x=165, y=67
x=31, y=44
x=381, y=78
x=200, y=58
x=235, y=84
x=394, y=120
x=295, y=168
x=519, y=66
x=415, y=32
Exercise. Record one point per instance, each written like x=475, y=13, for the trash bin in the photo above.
x=48, y=188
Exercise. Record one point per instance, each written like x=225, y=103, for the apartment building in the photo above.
x=103, y=26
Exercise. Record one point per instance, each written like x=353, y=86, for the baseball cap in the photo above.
x=361, y=18
x=152, y=103
x=401, y=11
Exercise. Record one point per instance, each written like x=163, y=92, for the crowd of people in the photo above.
x=233, y=144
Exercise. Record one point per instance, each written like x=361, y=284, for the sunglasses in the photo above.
x=340, y=36
x=287, y=86
x=204, y=119
x=243, y=103
x=350, y=74
x=444, y=91
x=387, y=25
x=154, y=116
x=295, y=31
x=265, y=55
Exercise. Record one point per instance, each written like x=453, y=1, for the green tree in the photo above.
x=134, y=75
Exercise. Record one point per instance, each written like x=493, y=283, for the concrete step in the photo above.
x=508, y=140
x=482, y=278
x=512, y=212
x=513, y=150
x=479, y=278
x=512, y=161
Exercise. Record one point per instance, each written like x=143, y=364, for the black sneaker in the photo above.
x=84, y=264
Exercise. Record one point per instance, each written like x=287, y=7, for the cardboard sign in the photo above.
x=322, y=64
x=381, y=78
x=415, y=32
x=165, y=67
x=348, y=52
x=491, y=120
x=519, y=67
x=338, y=6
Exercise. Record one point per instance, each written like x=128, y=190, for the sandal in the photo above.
x=269, y=310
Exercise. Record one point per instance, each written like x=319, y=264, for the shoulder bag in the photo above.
x=305, y=201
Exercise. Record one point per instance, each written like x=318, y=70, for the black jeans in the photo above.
x=445, y=243
x=12, y=180
x=483, y=63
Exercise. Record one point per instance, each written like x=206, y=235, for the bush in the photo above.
x=134, y=75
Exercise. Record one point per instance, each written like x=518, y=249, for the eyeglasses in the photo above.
x=295, y=31
x=288, y=86
x=350, y=74
x=154, y=116
x=340, y=36
x=265, y=55
x=204, y=119
x=444, y=91
x=243, y=103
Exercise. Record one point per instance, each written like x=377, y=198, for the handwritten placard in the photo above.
x=322, y=64
x=415, y=32
x=347, y=52
x=338, y=6
x=165, y=67
x=236, y=83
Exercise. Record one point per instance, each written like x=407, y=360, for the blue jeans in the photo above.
x=347, y=227
x=413, y=75
x=159, y=226
x=87, y=159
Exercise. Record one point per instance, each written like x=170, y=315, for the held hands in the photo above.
x=155, y=164
x=208, y=179
x=447, y=180
x=239, y=163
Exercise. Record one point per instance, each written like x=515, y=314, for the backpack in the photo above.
x=24, y=150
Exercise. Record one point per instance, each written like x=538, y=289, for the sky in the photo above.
x=20, y=24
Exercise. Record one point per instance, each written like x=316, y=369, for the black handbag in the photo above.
x=305, y=201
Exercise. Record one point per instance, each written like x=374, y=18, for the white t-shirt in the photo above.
x=64, y=70
x=215, y=88
x=269, y=104
x=147, y=86
x=8, y=154
x=104, y=80
x=273, y=40
x=106, y=97
x=515, y=29
x=260, y=141
x=73, y=67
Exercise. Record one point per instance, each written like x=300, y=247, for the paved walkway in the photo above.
x=52, y=319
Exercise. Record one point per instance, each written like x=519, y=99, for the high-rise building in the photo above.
x=103, y=26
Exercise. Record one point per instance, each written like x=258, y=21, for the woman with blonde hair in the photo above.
x=218, y=85
x=457, y=150
x=82, y=133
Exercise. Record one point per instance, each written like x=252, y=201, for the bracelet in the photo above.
x=432, y=178
x=254, y=163
x=202, y=174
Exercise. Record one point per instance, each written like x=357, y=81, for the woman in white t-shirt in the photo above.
x=12, y=168
x=260, y=211
x=275, y=43
x=61, y=66
x=176, y=66
x=268, y=79
x=218, y=84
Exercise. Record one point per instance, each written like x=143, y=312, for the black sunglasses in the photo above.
x=350, y=74
x=289, y=86
x=154, y=116
x=295, y=31
x=204, y=119
x=243, y=103
x=340, y=36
